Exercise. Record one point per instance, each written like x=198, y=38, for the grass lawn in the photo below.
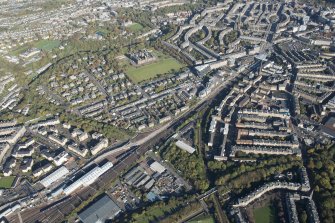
x=41, y=44
x=203, y=219
x=151, y=213
x=265, y=214
x=102, y=31
x=6, y=182
x=19, y=50
x=47, y=44
x=145, y=72
x=135, y=27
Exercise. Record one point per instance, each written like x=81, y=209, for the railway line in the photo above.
x=58, y=211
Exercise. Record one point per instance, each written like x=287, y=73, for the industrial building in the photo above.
x=100, y=211
x=88, y=178
x=157, y=167
x=185, y=146
x=328, y=128
x=54, y=176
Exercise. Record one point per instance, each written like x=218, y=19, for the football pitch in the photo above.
x=6, y=182
x=152, y=70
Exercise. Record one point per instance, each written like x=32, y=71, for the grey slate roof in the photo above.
x=102, y=210
x=329, y=127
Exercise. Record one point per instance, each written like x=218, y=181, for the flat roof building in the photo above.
x=329, y=128
x=54, y=176
x=88, y=178
x=157, y=167
x=100, y=211
x=185, y=146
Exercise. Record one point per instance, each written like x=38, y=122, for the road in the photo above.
x=202, y=103
x=129, y=145
x=97, y=83
x=57, y=211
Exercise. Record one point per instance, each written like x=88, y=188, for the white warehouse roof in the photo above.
x=185, y=146
x=54, y=176
x=157, y=167
x=88, y=178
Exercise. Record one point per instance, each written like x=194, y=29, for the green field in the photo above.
x=151, y=213
x=202, y=219
x=41, y=44
x=6, y=182
x=145, y=72
x=47, y=44
x=102, y=31
x=135, y=27
x=265, y=214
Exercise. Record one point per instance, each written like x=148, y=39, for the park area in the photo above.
x=46, y=45
x=6, y=182
x=163, y=65
x=135, y=27
x=265, y=214
x=152, y=70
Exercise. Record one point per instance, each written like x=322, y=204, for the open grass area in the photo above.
x=265, y=214
x=203, y=219
x=135, y=27
x=152, y=213
x=46, y=45
x=6, y=182
x=19, y=50
x=152, y=70
x=102, y=31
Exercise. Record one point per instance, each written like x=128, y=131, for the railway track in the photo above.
x=57, y=212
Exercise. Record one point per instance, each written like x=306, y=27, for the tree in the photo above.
x=303, y=217
x=319, y=164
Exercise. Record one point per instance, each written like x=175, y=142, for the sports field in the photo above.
x=146, y=72
x=47, y=44
x=135, y=27
x=6, y=182
x=265, y=214
x=41, y=44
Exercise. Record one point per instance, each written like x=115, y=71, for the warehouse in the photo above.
x=54, y=176
x=157, y=167
x=88, y=178
x=184, y=146
x=328, y=128
x=100, y=211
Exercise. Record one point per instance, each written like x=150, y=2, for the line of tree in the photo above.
x=321, y=166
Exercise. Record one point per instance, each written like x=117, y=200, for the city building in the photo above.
x=101, y=210
x=54, y=176
x=182, y=145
